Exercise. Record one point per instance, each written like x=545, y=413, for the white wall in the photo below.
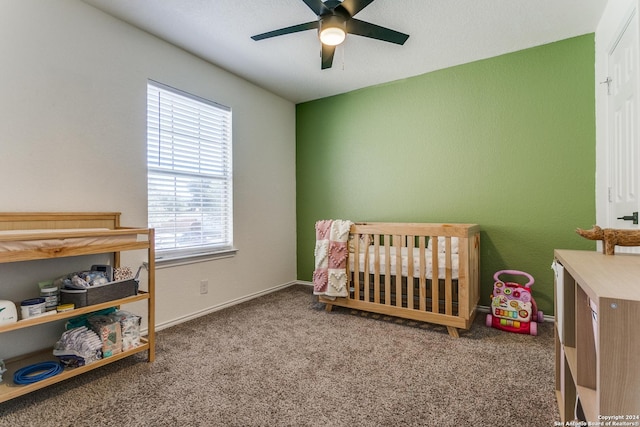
x=72, y=138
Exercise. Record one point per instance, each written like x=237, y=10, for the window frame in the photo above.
x=189, y=171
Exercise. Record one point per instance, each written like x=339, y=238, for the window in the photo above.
x=189, y=173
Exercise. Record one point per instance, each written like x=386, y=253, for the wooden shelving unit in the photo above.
x=32, y=236
x=597, y=336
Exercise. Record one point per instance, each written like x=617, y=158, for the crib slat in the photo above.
x=463, y=275
x=435, y=272
x=473, y=261
x=356, y=267
x=447, y=277
x=387, y=270
x=397, y=241
x=376, y=268
x=423, y=270
x=348, y=267
x=410, y=246
x=367, y=281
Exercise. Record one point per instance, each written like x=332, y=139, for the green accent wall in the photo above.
x=507, y=143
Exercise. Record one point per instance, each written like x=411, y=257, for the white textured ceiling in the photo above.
x=442, y=33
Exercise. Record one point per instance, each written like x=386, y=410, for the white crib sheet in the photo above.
x=405, y=262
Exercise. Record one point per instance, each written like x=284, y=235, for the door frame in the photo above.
x=615, y=19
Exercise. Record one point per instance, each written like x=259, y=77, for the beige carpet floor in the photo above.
x=281, y=360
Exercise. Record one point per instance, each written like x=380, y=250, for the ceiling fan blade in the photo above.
x=288, y=30
x=327, y=56
x=366, y=29
x=317, y=6
x=355, y=6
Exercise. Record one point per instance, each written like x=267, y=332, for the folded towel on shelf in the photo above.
x=331, y=253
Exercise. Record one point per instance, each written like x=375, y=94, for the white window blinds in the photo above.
x=189, y=173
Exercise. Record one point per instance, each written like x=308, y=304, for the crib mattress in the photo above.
x=404, y=252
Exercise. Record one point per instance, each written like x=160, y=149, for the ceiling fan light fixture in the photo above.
x=332, y=36
x=332, y=30
x=335, y=21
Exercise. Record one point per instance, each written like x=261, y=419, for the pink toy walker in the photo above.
x=513, y=308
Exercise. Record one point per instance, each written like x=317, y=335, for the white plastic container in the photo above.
x=32, y=307
x=8, y=313
x=50, y=295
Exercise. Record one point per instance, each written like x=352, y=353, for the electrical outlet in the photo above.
x=204, y=286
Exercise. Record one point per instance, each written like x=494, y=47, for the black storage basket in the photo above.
x=99, y=294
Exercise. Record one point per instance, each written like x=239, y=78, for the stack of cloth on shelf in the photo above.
x=78, y=347
x=96, y=276
x=98, y=335
x=2, y=369
x=129, y=327
x=82, y=280
x=110, y=333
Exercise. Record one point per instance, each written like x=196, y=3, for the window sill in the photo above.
x=167, y=262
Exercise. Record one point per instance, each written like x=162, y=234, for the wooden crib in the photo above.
x=391, y=268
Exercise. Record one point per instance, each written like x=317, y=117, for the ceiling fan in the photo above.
x=335, y=21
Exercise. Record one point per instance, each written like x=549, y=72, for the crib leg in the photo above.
x=328, y=307
x=453, y=331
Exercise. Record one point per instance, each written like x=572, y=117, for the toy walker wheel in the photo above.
x=488, y=320
x=533, y=328
x=540, y=318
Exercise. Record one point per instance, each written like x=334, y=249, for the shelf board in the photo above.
x=71, y=313
x=69, y=251
x=560, y=401
x=572, y=359
x=588, y=398
x=586, y=395
x=9, y=390
x=603, y=276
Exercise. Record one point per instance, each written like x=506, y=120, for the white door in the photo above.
x=623, y=117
